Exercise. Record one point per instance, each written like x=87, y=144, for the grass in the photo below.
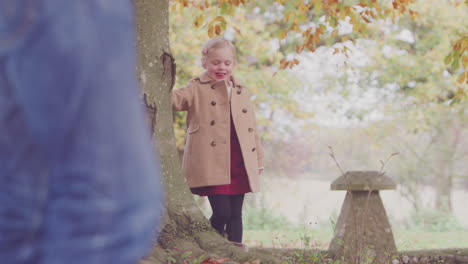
x=288, y=238
x=320, y=239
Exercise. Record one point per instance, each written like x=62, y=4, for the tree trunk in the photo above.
x=444, y=184
x=184, y=229
x=443, y=201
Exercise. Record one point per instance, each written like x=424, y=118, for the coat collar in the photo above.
x=204, y=79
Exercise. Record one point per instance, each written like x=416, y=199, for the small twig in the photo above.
x=332, y=154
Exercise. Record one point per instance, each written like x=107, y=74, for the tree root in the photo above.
x=197, y=244
x=203, y=246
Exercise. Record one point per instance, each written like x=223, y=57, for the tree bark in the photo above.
x=184, y=229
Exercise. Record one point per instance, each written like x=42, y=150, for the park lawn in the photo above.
x=320, y=239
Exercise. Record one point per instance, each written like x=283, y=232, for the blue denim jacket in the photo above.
x=79, y=181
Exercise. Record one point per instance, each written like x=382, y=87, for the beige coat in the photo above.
x=206, y=158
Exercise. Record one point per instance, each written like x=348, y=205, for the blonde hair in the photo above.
x=216, y=43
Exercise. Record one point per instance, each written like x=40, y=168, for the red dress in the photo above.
x=239, y=179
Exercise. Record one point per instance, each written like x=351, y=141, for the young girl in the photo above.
x=223, y=156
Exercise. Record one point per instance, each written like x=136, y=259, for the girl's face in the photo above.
x=219, y=63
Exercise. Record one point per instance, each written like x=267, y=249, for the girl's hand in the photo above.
x=260, y=171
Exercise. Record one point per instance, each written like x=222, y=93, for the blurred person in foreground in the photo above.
x=79, y=182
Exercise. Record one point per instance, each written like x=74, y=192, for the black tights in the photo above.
x=227, y=215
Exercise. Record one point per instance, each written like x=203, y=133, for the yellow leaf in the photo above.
x=219, y=18
x=413, y=14
x=299, y=48
x=365, y=19
x=295, y=28
x=283, y=63
x=463, y=78
x=303, y=8
x=343, y=15
x=307, y=32
x=334, y=33
x=460, y=94
x=211, y=31
x=207, y=4
x=198, y=21
x=311, y=47
x=464, y=45
x=217, y=30
x=310, y=40
x=318, y=6
x=237, y=31
x=289, y=16
x=465, y=61
x=320, y=29
x=283, y=34
x=316, y=38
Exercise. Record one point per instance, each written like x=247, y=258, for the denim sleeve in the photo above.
x=79, y=179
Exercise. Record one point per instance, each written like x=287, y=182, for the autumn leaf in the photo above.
x=465, y=61
x=334, y=33
x=217, y=30
x=283, y=63
x=219, y=18
x=463, y=78
x=211, y=31
x=448, y=59
x=295, y=28
x=299, y=48
x=283, y=34
x=198, y=21
x=365, y=19
x=413, y=14
x=237, y=31
x=459, y=96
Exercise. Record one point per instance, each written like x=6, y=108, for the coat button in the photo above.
x=253, y=149
x=250, y=129
x=213, y=103
x=239, y=91
x=212, y=122
x=213, y=143
x=244, y=110
x=213, y=86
